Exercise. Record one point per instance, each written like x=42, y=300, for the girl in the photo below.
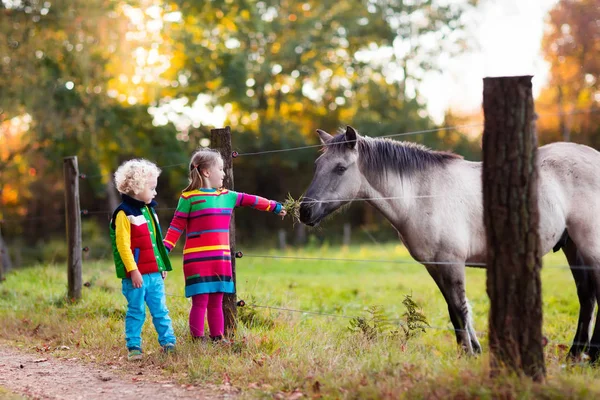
x=140, y=257
x=204, y=211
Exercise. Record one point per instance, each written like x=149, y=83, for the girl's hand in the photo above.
x=282, y=213
x=164, y=275
x=136, y=279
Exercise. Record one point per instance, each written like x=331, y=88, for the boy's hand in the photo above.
x=136, y=279
x=164, y=275
x=282, y=213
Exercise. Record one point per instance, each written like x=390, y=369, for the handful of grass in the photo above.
x=292, y=208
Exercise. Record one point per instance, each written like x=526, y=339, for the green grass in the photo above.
x=283, y=351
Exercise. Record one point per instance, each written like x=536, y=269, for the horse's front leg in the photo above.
x=451, y=281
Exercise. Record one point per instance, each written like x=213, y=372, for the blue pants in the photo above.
x=152, y=293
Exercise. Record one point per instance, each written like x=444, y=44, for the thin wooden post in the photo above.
x=300, y=234
x=347, y=234
x=73, y=221
x=5, y=261
x=282, y=239
x=511, y=216
x=220, y=139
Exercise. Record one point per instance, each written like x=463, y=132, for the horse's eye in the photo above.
x=339, y=169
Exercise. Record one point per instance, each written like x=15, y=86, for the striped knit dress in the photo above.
x=205, y=214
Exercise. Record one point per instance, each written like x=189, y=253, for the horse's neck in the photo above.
x=393, y=199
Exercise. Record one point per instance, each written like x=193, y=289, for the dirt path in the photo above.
x=47, y=377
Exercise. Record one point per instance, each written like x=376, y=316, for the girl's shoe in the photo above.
x=135, y=354
x=220, y=340
x=201, y=339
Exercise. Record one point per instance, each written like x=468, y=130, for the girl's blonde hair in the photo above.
x=131, y=177
x=201, y=159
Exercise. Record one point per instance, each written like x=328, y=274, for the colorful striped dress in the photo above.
x=205, y=215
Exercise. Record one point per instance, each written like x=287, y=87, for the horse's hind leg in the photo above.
x=584, y=232
x=451, y=281
x=587, y=298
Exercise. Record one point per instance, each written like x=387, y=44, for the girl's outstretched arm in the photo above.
x=178, y=223
x=260, y=203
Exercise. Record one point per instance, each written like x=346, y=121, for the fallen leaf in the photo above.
x=296, y=395
x=39, y=360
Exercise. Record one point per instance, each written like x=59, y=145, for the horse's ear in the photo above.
x=324, y=136
x=351, y=136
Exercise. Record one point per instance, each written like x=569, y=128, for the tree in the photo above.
x=297, y=66
x=57, y=80
x=511, y=219
x=571, y=45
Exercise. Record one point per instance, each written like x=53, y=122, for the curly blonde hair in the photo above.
x=132, y=175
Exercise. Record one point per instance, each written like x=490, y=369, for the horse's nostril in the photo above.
x=304, y=213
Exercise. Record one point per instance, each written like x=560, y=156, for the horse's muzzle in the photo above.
x=306, y=215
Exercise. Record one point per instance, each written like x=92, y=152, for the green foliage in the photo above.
x=415, y=320
x=309, y=354
x=279, y=69
x=373, y=326
x=292, y=208
x=252, y=318
x=377, y=324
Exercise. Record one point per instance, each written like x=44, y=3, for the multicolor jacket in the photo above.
x=205, y=214
x=137, y=240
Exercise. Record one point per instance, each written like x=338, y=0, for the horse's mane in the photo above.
x=382, y=154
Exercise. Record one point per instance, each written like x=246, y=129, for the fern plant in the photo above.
x=378, y=324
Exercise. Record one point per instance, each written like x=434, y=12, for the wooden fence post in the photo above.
x=5, y=261
x=220, y=139
x=1, y=261
x=346, y=239
x=282, y=239
x=511, y=216
x=73, y=222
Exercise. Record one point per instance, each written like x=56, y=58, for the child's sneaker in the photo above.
x=201, y=339
x=220, y=340
x=169, y=348
x=135, y=354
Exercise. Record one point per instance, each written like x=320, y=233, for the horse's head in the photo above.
x=337, y=177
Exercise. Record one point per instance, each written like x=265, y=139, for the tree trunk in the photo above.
x=282, y=239
x=511, y=219
x=563, y=117
x=300, y=234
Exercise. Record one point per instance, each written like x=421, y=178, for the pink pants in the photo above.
x=213, y=302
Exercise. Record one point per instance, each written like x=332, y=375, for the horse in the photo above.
x=434, y=201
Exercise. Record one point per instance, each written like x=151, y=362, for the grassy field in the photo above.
x=287, y=353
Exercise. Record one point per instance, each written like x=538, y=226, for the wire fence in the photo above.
x=393, y=321
x=314, y=201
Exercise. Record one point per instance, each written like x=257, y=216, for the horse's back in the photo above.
x=575, y=166
x=569, y=190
